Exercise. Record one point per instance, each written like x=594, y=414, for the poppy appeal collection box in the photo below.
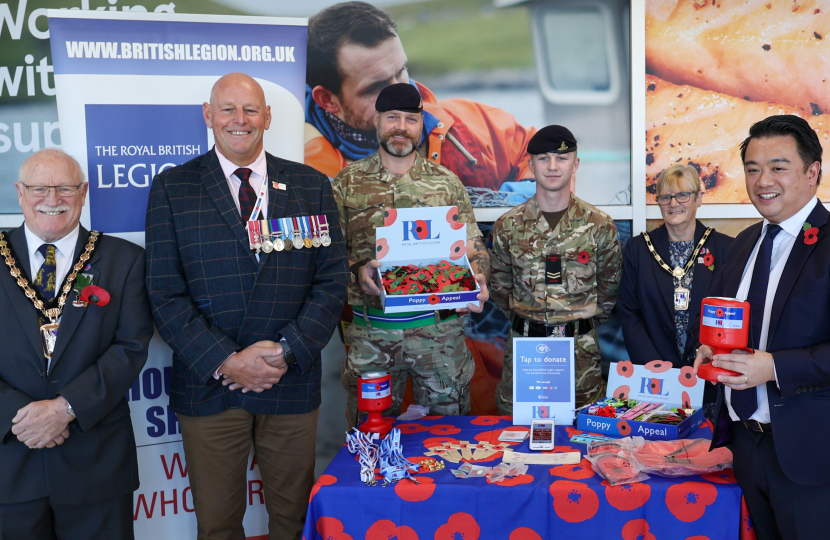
x=431, y=238
x=655, y=384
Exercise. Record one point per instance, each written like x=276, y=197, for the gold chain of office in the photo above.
x=52, y=313
x=677, y=272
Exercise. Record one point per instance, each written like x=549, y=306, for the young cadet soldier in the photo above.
x=556, y=265
x=428, y=347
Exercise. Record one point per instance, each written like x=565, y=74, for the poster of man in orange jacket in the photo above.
x=353, y=53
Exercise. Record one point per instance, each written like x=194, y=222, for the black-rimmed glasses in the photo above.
x=682, y=197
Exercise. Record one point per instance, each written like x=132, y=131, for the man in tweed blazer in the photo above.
x=246, y=328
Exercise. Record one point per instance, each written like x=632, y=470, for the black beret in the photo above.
x=556, y=139
x=399, y=97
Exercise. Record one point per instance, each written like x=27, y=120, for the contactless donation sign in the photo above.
x=423, y=236
x=543, y=379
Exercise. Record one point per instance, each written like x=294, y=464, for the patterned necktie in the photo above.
x=247, y=196
x=44, y=281
x=744, y=402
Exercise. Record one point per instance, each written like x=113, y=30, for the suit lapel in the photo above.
x=71, y=317
x=277, y=198
x=795, y=262
x=216, y=184
x=23, y=306
x=664, y=280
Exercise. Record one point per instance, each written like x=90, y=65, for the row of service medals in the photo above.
x=297, y=232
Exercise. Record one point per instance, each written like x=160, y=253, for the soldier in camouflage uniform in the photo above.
x=427, y=347
x=556, y=265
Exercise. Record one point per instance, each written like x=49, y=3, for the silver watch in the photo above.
x=70, y=410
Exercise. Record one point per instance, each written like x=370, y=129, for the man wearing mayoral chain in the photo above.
x=246, y=272
x=77, y=324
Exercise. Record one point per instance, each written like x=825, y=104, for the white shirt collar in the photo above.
x=794, y=223
x=65, y=245
x=258, y=167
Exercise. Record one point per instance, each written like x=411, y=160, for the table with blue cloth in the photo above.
x=565, y=501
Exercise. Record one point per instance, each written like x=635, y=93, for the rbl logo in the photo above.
x=652, y=386
x=541, y=412
x=419, y=229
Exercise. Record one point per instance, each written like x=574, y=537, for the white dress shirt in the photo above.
x=791, y=231
x=64, y=253
x=259, y=174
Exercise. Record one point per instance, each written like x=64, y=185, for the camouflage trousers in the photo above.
x=434, y=357
x=590, y=386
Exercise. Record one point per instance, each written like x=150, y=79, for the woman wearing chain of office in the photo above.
x=666, y=274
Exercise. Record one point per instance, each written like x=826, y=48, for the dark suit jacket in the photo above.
x=645, y=299
x=98, y=355
x=210, y=296
x=799, y=340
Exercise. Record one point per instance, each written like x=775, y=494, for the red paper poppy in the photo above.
x=687, y=376
x=433, y=299
x=708, y=259
x=459, y=525
x=331, y=529
x=573, y=502
x=389, y=216
x=688, y=501
x=627, y=496
x=622, y=392
x=811, y=236
x=324, y=480
x=452, y=218
x=409, y=491
x=524, y=533
x=95, y=295
x=382, y=248
x=625, y=369
x=637, y=529
x=383, y=529
x=583, y=257
x=658, y=366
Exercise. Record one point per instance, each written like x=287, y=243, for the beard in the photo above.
x=352, y=119
x=399, y=151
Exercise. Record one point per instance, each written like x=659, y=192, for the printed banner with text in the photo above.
x=130, y=88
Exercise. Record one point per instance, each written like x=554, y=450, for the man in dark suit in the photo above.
x=69, y=465
x=776, y=408
x=238, y=319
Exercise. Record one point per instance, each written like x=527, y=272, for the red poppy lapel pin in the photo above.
x=584, y=257
x=709, y=261
x=810, y=233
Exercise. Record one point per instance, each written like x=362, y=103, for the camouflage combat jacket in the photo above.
x=522, y=238
x=365, y=188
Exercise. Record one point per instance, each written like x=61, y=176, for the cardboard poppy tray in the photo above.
x=655, y=382
x=423, y=237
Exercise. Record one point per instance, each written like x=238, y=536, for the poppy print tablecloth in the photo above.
x=549, y=502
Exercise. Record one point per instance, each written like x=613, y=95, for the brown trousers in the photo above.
x=216, y=448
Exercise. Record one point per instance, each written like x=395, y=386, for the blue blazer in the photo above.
x=645, y=299
x=210, y=296
x=799, y=340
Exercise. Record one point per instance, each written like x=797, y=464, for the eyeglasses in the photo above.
x=682, y=197
x=43, y=191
